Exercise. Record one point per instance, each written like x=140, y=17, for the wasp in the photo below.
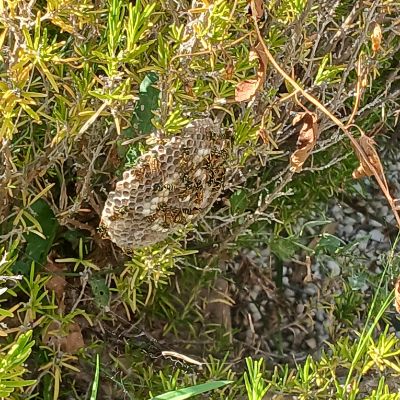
x=128, y=251
x=138, y=173
x=179, y=218
x=189, y=211
x=158, y=187
x=154, y=164
x=197, y=184
x=220, y=153
x=168, y=218
x=208, y=162
x=121, y=210
x=186, y=181
x=162, y=206
x=184, y=162
x=151, y=218
x=199, y=197
x=102, y=230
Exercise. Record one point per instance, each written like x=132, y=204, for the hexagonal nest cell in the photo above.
x=171, y=185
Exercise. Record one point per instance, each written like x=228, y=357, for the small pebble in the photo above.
x=255, y=313
x=377, y=235
x=320, y=315
x=311, y=343
x=348, y=230
x=374, y=223
x=349, y=221
x=334, y=268
x=311, y=289
x=361, y=234
x=300, y=308
x=289, y=293
x=362, y=245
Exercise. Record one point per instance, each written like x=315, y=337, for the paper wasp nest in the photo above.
x=171, y=185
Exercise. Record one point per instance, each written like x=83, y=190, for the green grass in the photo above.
x=83, y=87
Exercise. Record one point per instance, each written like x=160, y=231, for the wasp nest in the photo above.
x=172, y=184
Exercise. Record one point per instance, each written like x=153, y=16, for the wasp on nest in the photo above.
x=172, y=184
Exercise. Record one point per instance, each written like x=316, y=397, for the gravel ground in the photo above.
x=287, y=321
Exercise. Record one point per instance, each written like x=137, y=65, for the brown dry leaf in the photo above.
x=74, y=340
x=257, y=8
x=368, y=145
x=246, y=89
x=397, y=295
x=70, y=341
x=229, y=70
x=308, y=136
x=376, y=38
x=57, y=282
x=262, y=133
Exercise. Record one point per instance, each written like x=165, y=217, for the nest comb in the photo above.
x=171, y=185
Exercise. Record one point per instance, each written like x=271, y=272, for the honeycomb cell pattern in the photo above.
x=171, y=185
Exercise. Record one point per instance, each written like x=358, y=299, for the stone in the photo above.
x=333, y=267
x=377, y=236
x=311, y=343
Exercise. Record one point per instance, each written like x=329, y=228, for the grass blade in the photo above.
x=95, y=386
x=191, y=391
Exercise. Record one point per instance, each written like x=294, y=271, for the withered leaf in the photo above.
x=74, y=340
x=263, y=135
x=69, y=340
x=57, y=282
x=257, y=8
x=376, y=37
x=229, y=70
x=368, y=145
x=308, y=136
x=246, y=89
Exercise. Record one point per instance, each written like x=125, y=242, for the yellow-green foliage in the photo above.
x=83, y=83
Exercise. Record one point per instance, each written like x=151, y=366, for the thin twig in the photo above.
x=325, y=111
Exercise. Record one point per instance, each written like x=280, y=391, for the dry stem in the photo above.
x=339, y=123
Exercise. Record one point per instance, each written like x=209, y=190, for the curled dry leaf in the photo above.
x=246, y=89
x=57, y=282
x=262, y=133
x=229, y=70
x=69, y=340
x=397, y=295
x=308, y=136
x=257, y=8
x=368, y=145
x=74, y=340
x=376, y=38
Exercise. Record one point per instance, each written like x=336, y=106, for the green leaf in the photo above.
x=239, y=201
x=11, y=365
x=283, y=248
x=328, y=244
x=5, y=313
x=95, y=386
x=311, y=224
x=191, y=391
x=147, y=103
x=37, y=248
x=101, y=291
